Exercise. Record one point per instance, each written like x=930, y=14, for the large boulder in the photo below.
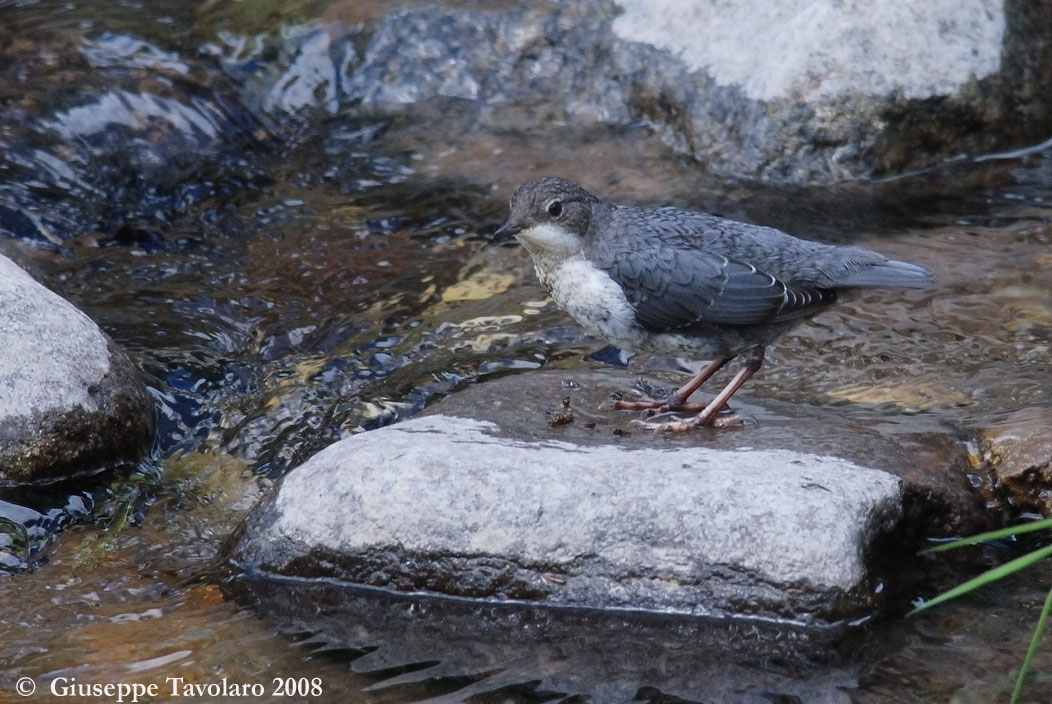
x=491, y=497
x=70, y=401
x=797, y=92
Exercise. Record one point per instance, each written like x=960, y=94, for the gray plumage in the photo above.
x=677, y=281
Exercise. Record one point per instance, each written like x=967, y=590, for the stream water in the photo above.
x=333, y=274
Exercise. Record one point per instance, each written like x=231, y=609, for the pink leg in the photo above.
x=708, y=416
x=677, y=401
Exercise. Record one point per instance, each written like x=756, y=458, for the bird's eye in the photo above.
x=555, y=208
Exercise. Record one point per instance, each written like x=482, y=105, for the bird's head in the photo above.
x=549, y=216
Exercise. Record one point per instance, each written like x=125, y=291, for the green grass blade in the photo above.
x=986, y=577
x=992, y=535
x=1039, y=630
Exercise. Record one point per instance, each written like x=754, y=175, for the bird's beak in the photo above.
x=507, y=231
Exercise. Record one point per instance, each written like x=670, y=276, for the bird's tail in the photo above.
x=889, y=273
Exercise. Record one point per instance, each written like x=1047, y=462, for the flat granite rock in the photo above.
x=70, y=401
x=493, y=496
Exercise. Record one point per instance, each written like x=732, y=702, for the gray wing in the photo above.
x=684, y=288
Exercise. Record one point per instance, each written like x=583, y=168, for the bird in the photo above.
x=671, y=281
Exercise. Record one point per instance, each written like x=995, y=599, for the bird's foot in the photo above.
x=679, y=425
x=654, y=406
x=642, y=402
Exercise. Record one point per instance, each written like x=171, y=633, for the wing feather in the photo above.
x=689, y=288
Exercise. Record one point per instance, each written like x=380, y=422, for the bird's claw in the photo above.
x=642, y=403
x=680, y=425
x=654, y=407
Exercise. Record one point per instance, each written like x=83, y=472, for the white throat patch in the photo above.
x=550, y=242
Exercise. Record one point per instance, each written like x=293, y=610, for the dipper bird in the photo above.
x=674, y=281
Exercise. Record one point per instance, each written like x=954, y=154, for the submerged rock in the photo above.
x=805, y=92
x=486, y=498
x=108, y=132
x=70, y=401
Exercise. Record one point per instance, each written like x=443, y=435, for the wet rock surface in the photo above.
x=1018, y=451
x=506, y=492
x=70, y=401
x=812, y=94
x=922, y=452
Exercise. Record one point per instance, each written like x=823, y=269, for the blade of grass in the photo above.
x=1039, y=630
x=992, y=535
x=986, y=577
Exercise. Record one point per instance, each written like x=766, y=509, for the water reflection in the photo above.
x=504, y=653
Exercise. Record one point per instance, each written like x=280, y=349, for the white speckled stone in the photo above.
x=810, y=48
x=50, y=352
x=691, y=530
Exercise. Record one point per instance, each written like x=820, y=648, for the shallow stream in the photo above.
x=333, y=274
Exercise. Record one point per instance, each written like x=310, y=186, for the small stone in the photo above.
x=1018, y=452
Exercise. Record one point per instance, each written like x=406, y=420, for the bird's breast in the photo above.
x=594, y=299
